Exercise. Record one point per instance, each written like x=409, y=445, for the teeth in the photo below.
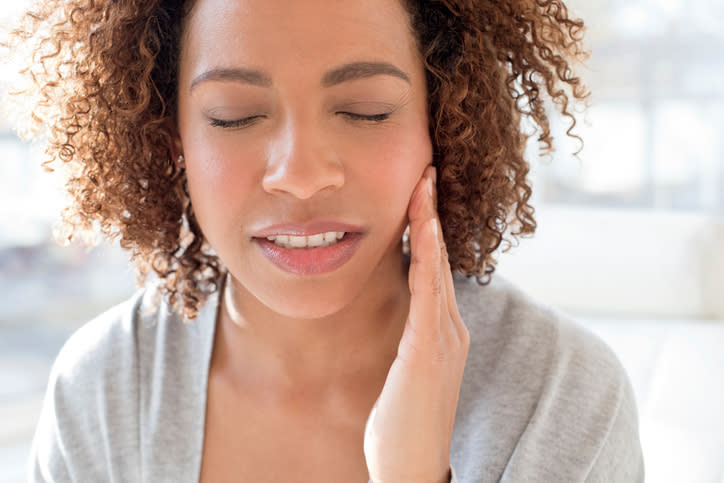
x=298, y=241
x=313, y=241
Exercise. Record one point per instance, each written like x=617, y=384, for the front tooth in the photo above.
x=330, y=236
x=315, y=240
x=282, y=239
x=298, y=241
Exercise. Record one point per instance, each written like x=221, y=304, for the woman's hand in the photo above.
x=408, y=432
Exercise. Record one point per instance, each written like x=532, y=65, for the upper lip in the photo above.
x=306, y=229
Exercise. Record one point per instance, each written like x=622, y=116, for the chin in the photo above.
x=306, y=299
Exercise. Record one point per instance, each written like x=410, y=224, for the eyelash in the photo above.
x=236, y=123
x=248, y=121
x=374, y=118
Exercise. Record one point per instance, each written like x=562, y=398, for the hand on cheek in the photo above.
x=408, y=433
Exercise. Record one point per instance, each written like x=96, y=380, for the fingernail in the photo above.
x=429, y=186
x=434, y=228
x=434, y=175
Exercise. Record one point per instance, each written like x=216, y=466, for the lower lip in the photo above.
x=311, y=261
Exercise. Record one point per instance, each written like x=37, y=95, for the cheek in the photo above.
x=220, y=178
x=212, y=156
x=396, y=167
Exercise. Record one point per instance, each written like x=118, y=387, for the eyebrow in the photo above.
x=344, y=73
x=246, y=76
x=361, y=70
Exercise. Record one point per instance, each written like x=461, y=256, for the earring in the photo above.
x=406, y=241
x=180, y=160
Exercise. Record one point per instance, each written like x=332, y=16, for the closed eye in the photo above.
x=365, y=117
x=235, y=123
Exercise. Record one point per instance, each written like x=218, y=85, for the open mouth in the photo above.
x=310, y=255
x=313, y=241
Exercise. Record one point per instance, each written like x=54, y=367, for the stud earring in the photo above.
x=181, y=160
x=406, y=241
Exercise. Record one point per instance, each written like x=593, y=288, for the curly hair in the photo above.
x=102, y=85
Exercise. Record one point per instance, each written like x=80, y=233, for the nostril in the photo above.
x=303, y=180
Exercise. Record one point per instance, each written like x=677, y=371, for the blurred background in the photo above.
x=630, y=240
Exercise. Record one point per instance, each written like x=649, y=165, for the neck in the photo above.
x=260, y=348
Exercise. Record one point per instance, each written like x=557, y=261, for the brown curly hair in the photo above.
x=103, y=84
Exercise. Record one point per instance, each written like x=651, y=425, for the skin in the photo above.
x=320, y=351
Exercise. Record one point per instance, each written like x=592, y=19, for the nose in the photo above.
x=301, y=163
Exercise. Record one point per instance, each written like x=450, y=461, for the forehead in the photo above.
x=298, y=33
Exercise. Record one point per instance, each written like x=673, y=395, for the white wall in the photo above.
x=638, y=263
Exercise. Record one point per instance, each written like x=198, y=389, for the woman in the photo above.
x=263, y=158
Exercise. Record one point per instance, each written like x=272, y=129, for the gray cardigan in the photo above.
x=542, y=399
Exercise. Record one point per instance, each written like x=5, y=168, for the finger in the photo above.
x=422, y=206
x=449, y=299
x=448, y=306
x=449, y=302
x=426, y=284
x=419, y=211
x=447, y=286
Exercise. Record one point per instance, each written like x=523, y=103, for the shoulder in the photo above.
x=556, y=394
x=131, y=336
x=104, y=349
x=102, y=344
x=102, y=384
x=508, y=325
x=83, y=409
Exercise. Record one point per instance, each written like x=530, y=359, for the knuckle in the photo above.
x=416, y=260
x=436, y=284
x=443, y=252
x=439, y=357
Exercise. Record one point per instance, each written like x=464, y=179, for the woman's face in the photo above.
x=298, y=118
